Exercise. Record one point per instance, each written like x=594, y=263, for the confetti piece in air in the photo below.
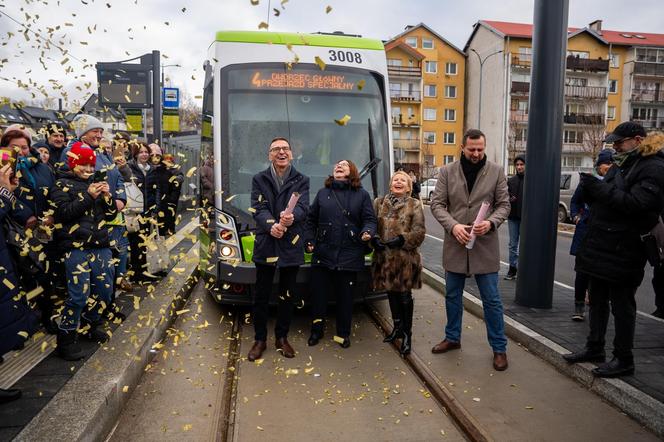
x=328, y=9
x=23, y=334
x=255, y=2
x=360, y=85
x=295, y=240
x=321, y=64
x=8, y=284
x=343, y=121
x=338, y=339
x=125, y=389
x=276, y=12
x=230, y=198
x=283, y=2
x=317, y=320
x=476, y=399
x=263, y=25
x=271, y=259
x=179, y=312
x=190, y=172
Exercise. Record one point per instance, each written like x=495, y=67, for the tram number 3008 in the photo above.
x=345, y=56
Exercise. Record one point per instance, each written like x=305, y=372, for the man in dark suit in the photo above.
x=278, y=243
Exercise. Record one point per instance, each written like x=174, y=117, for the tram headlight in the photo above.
x=226, y=251
x=225, y=234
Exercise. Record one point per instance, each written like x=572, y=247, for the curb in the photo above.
x=89, y=404
x=638, y=405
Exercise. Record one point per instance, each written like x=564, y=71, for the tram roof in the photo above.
x=296, y=39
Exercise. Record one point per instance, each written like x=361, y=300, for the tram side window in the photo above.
x=207, y=164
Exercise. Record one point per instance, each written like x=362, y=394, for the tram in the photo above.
x=326, y=93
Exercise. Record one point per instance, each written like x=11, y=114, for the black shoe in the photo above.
x=9, y=395
x=585, y=355
x=314, y=338
x=397, y=312
x=614, y=368
x=96, y=334
x=406, y=344
x=659, y=313
x=68, y=348
x=397, y=332
x=345, y=343
x=407, y=324
x=511, y=274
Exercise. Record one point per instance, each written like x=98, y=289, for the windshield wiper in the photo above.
x=370, y=167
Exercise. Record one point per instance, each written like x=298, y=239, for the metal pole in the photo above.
x=156, y=99
x=539, y=221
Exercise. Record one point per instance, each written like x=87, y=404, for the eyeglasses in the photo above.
x=276, y=149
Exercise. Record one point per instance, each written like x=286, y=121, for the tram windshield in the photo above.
x=310, y=107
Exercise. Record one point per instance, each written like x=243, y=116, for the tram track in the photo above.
x=464, y=420
x=225, y=425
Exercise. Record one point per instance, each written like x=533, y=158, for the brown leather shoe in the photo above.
x=286, y=349
x=445, y=346
x=500, y=361
x=256, y=350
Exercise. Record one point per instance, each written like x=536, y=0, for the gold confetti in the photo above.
x=338, y=339
x=190, y=172
x=186, y=427
x=259, y=428
x=476, y=399
x=125, y=389
x=343, y=120
x=328, y=9
x=317, y=320
x=360, y=85
x=263, y=25
x=8, y=283
x=530, y=407
x=272, y=259
x=255, y=2
x=321, y=64
x=295, y=240
x=230, y=198
x=23, y=334
x=44, y=346
x=179, y=312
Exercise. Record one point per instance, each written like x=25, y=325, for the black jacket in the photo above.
x=80, y=219
x=267, y=203
x=55, y=159
x=337, y=238
x=169, y=183
x=621, y=210
x=515, y=189
x=35, y=199
x=149, y=185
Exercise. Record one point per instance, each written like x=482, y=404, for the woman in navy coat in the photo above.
x=340, y=224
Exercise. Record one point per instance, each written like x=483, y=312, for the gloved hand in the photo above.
x=395, y=243
x=377, y=244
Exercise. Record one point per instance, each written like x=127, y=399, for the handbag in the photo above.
x=366, y=249
x=157, y=253
x=653, y=240
x=134, y=207
x=24, y=250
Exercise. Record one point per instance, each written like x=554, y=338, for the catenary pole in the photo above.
x=156, y=98
x=539, y=220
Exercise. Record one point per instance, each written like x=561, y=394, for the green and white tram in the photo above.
x=328, y=94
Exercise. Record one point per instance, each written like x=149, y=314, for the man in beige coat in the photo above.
x=461, y=188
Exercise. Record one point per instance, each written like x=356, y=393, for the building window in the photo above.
x=393, y=62
x=521, y=134
x=429, y=114
x=396, y=134
x=450, y=115
x=448, y=138
x=430, y=159
x=429, y=138
x=450, y=68
x=447, y=159
x=450, y=92
x=431, y=67
x=614, y=60
x=411, y=41
x=579, y=54
x=611, y=112
x=572, y=137
x=429, y=90
x=427, y=43
x=613, y=86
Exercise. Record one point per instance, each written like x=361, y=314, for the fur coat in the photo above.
x=398, y=270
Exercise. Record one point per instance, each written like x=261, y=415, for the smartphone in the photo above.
x=8, y=156
x=99, y=176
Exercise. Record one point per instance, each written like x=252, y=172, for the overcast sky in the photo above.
x=129, y=28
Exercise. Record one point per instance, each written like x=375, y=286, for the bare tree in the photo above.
x=426, y=169
x=593, y=122
x=190, y=112
x=515, y=138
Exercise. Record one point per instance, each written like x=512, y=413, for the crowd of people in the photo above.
x=77, y=213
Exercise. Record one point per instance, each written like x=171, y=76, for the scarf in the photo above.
x=622, y=157
x=279, y=180
x=24, y=164
x=145, y=168
x=471, y=170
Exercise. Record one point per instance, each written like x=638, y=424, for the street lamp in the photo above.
x=482, y=60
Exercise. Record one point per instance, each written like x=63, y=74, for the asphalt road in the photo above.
x=564, y=276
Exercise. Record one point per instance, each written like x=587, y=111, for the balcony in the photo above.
x=405, y=95
x=647, y=96
x=399, y=120
x=407, y=144
x=587, y=64
x=596, y=92
x=520, y=88
x=404, y=71
x=649, y=69
x=573, y=148
x=522, y=60
x=651, y=124
x=519, y=115
x=583, y=118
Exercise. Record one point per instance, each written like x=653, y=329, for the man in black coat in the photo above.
x=278, y=244
x=55, y=141
x=625, y=205
x=515, y=189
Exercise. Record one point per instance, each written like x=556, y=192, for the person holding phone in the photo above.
x=83, y=207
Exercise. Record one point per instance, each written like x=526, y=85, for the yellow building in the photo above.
x=426, y=75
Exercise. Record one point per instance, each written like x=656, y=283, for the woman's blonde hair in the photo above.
x=408, y=179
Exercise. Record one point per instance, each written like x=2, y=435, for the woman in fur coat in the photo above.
x=397, y=264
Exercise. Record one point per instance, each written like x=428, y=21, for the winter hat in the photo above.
x=605, y=157
x=84, y=123
x=519, y=158
x=20, y=128
x=80, y=154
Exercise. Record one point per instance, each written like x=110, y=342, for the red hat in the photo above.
x=80, y=154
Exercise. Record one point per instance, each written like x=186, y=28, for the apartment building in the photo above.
x=610, y=76
x=426, y=76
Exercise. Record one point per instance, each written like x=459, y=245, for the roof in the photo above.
x=11, y=114
x=422, y=25
x=404, y=47
x=296, y=39
x=40, y=113
x=525, y=30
